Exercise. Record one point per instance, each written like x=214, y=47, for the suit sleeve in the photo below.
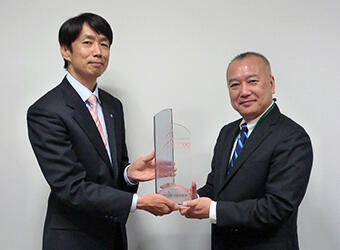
x=124, y=153
x=51, y=142
x=288, y=175
x=208, y=189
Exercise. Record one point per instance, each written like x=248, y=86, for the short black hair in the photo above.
x=71, y=28
x=251, y=53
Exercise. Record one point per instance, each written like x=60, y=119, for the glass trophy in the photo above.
x=169, y=136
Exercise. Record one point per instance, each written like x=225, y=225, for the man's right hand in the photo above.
x=156, y=204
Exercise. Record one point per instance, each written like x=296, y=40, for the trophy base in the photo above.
x=176, y=193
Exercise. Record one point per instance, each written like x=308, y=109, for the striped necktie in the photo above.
x=93, y=110
x=241, y=139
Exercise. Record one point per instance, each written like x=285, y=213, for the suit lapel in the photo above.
x=84, y=119
x=109, y=117
x=261, y=132
x=227, y=150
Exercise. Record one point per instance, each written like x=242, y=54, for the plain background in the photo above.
x=174, y=54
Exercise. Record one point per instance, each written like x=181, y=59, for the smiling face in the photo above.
x=89, y=56
x=251, y=86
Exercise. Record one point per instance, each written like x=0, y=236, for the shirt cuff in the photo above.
x=134, y=203
x=127, y=180
x=212, y=212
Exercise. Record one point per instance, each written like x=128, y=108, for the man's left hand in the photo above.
x=142, y=169
x=197, y=208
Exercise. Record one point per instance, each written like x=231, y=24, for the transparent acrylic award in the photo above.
x=169, y=136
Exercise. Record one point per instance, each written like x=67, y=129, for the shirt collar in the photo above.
x=82, y=91
x=251, y=125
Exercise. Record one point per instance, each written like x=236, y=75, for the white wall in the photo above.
x=174, y=54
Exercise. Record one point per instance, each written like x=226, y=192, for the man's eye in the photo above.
x=105, y=45
x=234, y=85
x=86, y=42
x=253, y=81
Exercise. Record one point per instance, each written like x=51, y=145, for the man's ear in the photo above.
x=272, y=83
x=65, y=52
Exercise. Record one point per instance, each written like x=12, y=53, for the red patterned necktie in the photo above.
x=93, y=110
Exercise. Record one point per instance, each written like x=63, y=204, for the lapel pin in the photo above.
x=111, y=115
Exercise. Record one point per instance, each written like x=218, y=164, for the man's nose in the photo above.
x=97, y=50
x=245, y=89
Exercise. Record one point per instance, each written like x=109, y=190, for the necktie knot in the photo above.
x=92, y=100
x=244, y=128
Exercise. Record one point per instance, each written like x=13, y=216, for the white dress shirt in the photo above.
x=84, y=94
x=250, y=125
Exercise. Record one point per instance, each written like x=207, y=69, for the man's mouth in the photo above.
x=247, y=102
x=97, y=64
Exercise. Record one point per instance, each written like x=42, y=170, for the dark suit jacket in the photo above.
x=257, y=203
x=89, y=201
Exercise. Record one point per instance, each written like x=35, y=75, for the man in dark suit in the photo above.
x=78, y=136
x=260, y=168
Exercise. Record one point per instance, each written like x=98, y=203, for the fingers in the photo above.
x=198, y=208
x=193, y=186
x=166, y=207
x=156, y=204
x=188, y=212
x=161, y=211
x=148, y=157
x=184, y=210
x=191, y=203
x=166, y=185
x=174, y=172
x=189, y=209
x=169, y=203
x=194, y=190
x=173, y=205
